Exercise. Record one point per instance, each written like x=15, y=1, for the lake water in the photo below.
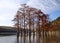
x=48, y=38
x=8, y=39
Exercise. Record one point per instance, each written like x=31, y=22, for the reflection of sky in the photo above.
x=8, y=8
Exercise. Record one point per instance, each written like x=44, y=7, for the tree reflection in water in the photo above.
x=49, y=38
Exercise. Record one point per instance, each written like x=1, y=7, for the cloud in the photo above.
x=6, y=18
x=44, y=5
x=11, y=4
x=8, y=9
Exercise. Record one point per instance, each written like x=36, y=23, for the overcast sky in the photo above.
x=8, y=9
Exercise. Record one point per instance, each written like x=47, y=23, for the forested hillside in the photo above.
x=55, y=24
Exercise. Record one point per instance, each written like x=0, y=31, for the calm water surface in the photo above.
x=46, y=38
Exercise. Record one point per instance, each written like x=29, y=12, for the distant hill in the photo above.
x=6, y=29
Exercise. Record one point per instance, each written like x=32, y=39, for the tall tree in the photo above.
x=28, y=17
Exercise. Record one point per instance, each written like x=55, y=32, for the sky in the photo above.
x=8, y=9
